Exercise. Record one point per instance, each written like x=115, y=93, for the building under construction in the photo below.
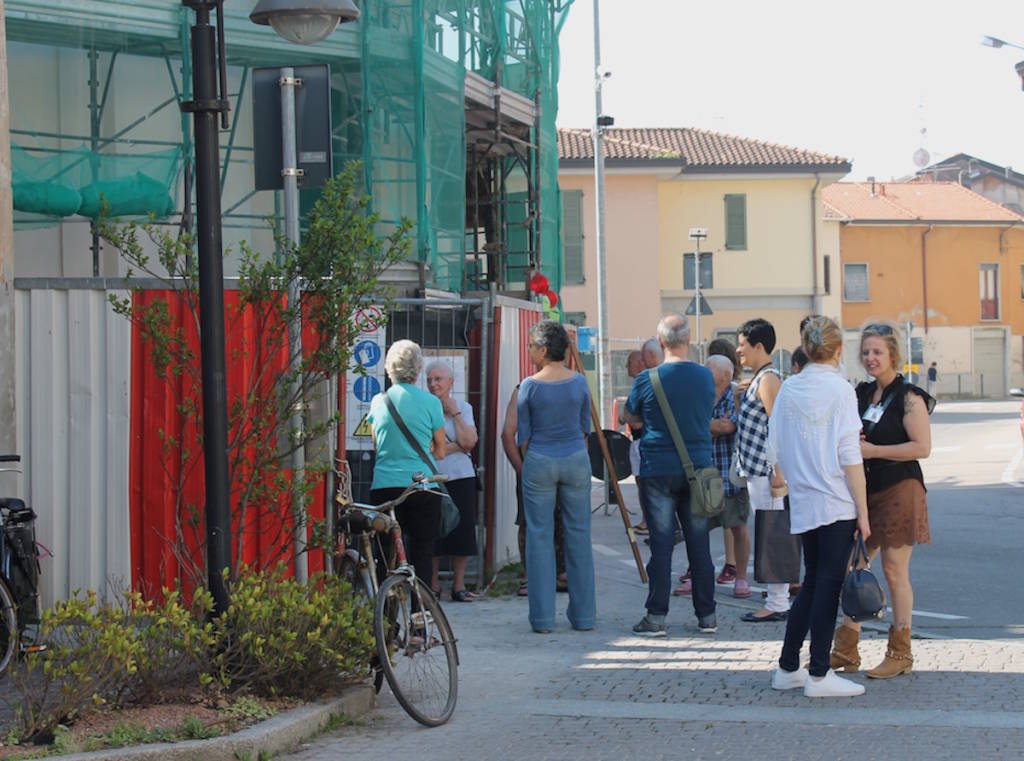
x=450, y=105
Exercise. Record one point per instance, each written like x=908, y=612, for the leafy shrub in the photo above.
x=280, y=638
x=108, y=653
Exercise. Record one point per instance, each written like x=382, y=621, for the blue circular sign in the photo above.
x=366, y=387
x=367, y=353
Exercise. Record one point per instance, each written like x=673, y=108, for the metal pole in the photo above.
x=603, y=360
x=696, y=280
x=290, y=175
x=205, y=107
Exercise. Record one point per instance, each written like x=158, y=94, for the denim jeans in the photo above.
x=826, y=556
x=567, y=479
x=668, y=497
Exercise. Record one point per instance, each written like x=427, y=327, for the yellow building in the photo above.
x=946, y=260
x=766, y=255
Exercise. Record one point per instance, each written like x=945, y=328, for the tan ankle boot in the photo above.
x=844, y=650
x=898, y=659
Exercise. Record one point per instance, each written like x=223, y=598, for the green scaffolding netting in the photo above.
x=49, y=184
x=415, y=57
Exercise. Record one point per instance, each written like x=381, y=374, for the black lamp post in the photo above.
x=307, y=21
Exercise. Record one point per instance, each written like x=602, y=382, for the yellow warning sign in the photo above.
x=364, y=429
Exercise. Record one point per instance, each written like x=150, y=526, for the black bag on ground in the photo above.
x=776, y=551
x=862, y=597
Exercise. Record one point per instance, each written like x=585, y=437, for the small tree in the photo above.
x=338, y=265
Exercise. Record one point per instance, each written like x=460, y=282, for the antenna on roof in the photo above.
x=872, y=181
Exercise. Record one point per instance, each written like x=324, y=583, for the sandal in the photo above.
x=561, y=584
x=524, y=590
x=437, y=592
x=640, y=529
x=741, y=589
x=462, y=595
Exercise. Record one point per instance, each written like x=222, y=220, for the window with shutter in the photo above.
x=988, y=291
x=736, y=222
x=572, y=236
x=707, y=279
x=855, y=282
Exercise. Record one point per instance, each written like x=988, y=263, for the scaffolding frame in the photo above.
x=431, y=95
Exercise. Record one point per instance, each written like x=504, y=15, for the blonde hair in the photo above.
x=404, y=361
x=888, y=333
x=821, y=338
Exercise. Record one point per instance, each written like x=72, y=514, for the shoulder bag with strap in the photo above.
x=449, y=510
x=707, y=492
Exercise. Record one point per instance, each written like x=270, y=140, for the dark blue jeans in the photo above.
x=667, y=497
x=826, y=556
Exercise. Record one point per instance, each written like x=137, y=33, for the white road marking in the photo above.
x=604, y=550
x=1011, y=468
x=941, y=450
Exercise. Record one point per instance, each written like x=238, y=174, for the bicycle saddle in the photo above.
x=12, y=503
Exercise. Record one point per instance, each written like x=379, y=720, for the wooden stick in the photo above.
x=611, y=472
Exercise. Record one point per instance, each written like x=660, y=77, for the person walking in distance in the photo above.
x=736, y=512
x=897, y=433
x=933, y=378
x=814, y=435
x=690, y=390
x=756, y=343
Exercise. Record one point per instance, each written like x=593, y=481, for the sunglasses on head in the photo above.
x=882, y=330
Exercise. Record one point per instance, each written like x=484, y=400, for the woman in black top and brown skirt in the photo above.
x=896, y=434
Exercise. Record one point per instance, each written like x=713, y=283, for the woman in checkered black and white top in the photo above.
x=756, y=343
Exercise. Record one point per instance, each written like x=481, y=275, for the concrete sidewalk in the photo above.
x=607, y=694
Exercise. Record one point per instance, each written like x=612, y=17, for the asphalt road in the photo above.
x=975, y=479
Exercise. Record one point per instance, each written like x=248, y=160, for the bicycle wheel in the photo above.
x=416, y=649
x=8, y=628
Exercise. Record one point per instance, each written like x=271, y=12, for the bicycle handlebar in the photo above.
x=10, y=458
x=419, y=483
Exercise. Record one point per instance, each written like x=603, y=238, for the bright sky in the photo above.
x=856, y=79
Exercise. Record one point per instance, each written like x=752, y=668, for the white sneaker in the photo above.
x=832, y=686
x=789, y=680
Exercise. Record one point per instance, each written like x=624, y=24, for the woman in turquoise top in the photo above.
x=397, y=459
x=553, y=423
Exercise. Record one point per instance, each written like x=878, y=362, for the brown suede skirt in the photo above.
x=899, y=516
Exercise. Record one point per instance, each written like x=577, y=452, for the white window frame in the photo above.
x=867, y=281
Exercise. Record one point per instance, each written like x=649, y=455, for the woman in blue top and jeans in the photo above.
x=553, y=422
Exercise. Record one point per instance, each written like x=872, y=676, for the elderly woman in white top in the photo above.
x=460, y=438
x=814, y=437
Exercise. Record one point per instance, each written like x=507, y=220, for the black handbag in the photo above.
x=450, y=516
x=862, y=597
x=777, y=552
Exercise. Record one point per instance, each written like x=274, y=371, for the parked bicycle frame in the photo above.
x=19, y=573
x=416, y=649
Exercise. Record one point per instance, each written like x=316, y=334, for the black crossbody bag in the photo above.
x=449, y=510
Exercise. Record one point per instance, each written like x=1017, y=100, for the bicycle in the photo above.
x=416, y=650
x=19, y=573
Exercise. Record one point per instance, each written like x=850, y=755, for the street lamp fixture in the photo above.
x=994, y=42
x=304, y=21
x=209, y=69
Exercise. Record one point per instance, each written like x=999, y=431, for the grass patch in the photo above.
x=507, y=582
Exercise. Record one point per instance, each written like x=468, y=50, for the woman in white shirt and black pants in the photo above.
x=814, y=437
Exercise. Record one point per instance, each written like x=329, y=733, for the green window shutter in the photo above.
x=572, y=236
x=736, y=222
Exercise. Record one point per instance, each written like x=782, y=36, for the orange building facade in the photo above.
x=946, y=260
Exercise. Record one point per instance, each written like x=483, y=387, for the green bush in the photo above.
x=115, y=652
x=280, y=638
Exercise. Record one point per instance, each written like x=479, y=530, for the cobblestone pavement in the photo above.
x=606, y=694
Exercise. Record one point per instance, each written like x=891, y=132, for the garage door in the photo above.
x=989, y=364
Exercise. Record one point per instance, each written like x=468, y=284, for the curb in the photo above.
x=276, y=735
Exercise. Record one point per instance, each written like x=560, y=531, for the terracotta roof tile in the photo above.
x=694, y=148
x=912, y=201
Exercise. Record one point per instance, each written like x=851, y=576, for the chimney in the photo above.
x=872, y=181
x=881, y=189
